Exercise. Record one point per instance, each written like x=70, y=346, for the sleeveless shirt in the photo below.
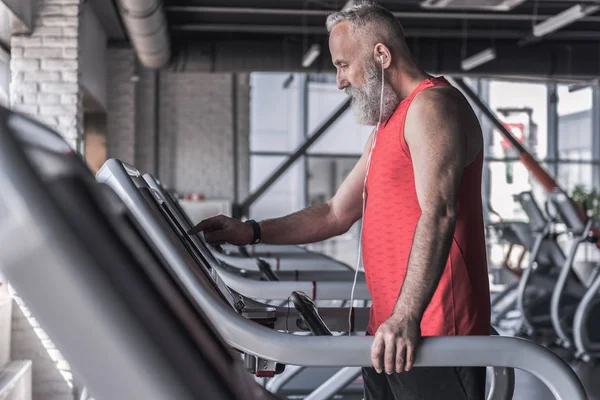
x=461, y=302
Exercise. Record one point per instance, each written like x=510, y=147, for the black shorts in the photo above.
x=426, y=383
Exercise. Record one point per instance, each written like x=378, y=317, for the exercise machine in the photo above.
x=319, y=272
x=578, y=328
x=127, y=182
x=134, y=325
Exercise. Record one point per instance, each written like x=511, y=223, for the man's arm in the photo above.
x=438, y=150
x=437, y=141
x=310, y=225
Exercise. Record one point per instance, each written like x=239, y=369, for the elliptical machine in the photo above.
x=530, y=298
x=578, y=328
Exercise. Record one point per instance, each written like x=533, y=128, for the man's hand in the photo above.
x=220, y=230
x=395, y=344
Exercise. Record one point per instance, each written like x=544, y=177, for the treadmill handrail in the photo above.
x=342, y=351
x=280, y=290
x=260, y=341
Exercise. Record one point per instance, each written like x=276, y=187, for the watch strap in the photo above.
x=256, y=228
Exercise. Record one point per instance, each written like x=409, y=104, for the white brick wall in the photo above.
x=5, y=321
x=50, y=372
x=45, y=65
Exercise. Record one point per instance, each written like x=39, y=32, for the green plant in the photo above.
x=589, y=200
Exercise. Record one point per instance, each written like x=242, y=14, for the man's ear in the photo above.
x=382, y=55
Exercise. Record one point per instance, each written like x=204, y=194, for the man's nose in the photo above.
x=341, y=82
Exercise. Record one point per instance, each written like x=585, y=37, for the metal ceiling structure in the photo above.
x=273, y=35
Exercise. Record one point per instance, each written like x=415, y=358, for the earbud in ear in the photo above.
x=381, y=58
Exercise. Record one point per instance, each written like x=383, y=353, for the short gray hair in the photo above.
x=376, y=20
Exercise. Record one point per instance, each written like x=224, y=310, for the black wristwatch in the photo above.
x=256, y=228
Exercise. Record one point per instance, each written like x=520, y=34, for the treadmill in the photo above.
x=118, y=172
x=74, y=255
x=246, y=256
x=129, y=185
x=125, y=318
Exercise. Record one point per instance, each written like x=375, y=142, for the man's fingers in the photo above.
x=207, y=224
x=400, y=355
x=390, y=353
x=410, y=356
x=377, y=353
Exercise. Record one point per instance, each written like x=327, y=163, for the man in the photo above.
x=423, y=237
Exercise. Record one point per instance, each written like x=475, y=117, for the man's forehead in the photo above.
x=340, y=39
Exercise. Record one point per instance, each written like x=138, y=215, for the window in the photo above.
x=522, y=107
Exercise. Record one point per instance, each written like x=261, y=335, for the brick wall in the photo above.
x=196, y=125
x=5, y=321
x=196, y=133
x=45, y=71
x=50, y=372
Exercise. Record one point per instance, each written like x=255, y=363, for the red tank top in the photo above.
x=461, y=303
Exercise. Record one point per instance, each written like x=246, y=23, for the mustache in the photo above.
x=351, y=91
x=357, y=94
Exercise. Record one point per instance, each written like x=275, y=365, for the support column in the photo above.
x=596, y=137
x=305, y=108
x=45, y=70
x=552, y=149
x=122, y=90
x=243, y=134
x=483, y=91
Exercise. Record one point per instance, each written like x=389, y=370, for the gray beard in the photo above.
x=366, y=99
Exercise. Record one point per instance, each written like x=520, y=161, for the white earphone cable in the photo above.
x=364, y=203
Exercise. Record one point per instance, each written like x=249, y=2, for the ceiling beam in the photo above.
x=547, y=60
x=397, y=14
x=409, y=32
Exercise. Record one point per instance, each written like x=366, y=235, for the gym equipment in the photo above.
x=334, y=271
x=536, y=170
x=531, y=294
x=148, y=339
x=539, y=279
x=72, y=253
x=580, y=327
x=300, y=259
x=111, y=179
x=127, y=182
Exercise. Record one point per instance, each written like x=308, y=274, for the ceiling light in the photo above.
x=311, y=55
x=562, y=19
x=478, y=59
x=579, y=86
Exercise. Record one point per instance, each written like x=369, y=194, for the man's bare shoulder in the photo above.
x=440, y=100
x=434, y=110
x=442, y=115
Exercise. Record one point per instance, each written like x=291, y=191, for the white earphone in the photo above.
x=359, y=257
